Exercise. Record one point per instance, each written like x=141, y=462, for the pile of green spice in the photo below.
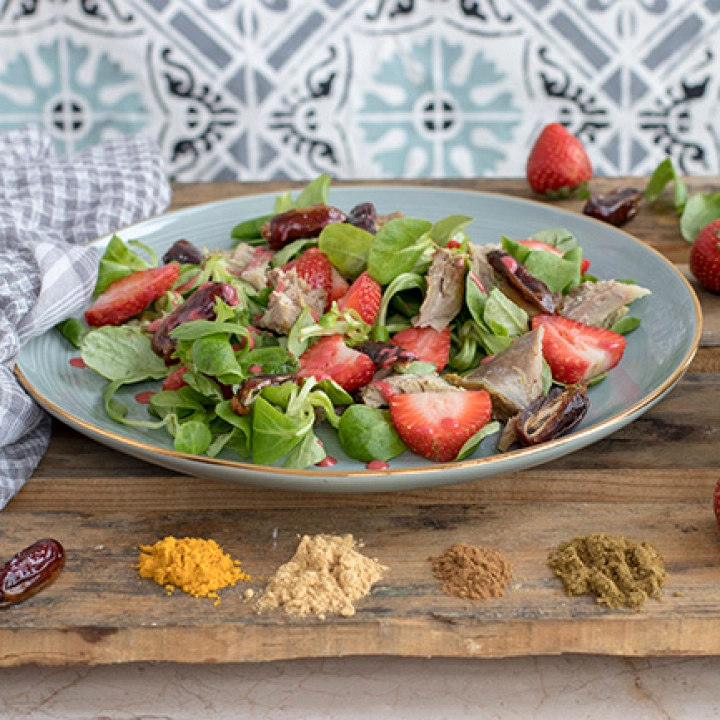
x=617, y=571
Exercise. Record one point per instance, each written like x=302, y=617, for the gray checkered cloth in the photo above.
x=50, y=206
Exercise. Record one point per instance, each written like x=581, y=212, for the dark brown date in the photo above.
x=30, y=570
x=385, y=354
x=300, y=223
x=533, y=290
x=617, y=207
x=241, y=403
x=199, y=306
x=363, y=216
x=184, y=252
x=552, y=416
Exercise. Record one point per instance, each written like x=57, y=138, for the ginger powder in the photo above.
x=326, y=575
x=198, y=567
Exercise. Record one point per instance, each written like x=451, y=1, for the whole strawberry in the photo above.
x=705, y=256
x=558, y=164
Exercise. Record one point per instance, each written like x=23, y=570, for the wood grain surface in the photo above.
x=652, y=480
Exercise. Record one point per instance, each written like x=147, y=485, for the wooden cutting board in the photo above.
x=652, y=480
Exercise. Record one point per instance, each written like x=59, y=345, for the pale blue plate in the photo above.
x=657, y=355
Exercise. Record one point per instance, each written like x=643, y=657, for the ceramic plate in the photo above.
x=657, y=354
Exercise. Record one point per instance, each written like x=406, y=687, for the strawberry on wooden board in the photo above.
x=575, y=351
x=129, y=296
x=540, y=245
x=705, y=256
x=436, y=425
x=428, y=344
x=329, y=358
x=364, y=296
x=558, y=163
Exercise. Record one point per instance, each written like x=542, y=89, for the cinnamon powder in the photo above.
x=472, y=572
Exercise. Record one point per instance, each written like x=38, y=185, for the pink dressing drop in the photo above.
x=77, y=362
x=377, y=465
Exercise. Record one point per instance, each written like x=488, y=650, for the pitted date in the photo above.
x=184, y=252
x=364, y=216
x=617, y=207
x=300, y=223
x=532, y=289
x=30, y=570
x=241, y=403
x=385, y=354
x=552, y=416
x=199, y=306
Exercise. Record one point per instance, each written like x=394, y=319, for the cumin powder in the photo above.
x=198, y=567
x=617, y=571
x=472, y=572
x=326, y=575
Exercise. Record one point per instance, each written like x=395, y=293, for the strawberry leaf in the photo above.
x=665, y=173
x=700, y=210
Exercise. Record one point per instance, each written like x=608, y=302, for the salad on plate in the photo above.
x=399, y=333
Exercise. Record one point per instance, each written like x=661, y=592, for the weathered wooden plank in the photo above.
x=99, y=610
x=652, y=480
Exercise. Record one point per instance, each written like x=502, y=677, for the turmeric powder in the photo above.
x=198, y=567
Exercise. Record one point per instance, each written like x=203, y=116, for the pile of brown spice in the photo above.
x=326, y=575
x=472, y=572
x=617, y=571
x=197, y=566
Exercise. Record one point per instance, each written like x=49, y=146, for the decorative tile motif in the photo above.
x=259, y=89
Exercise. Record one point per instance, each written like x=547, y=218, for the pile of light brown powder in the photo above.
x=617, y=571
x=472, y=572
x=326, y=576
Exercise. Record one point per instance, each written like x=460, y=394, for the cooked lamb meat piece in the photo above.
x=372, y=394
x=600, y=303
x=481, y=267
x=286, y=301
x=445, y=290
x=381, y=220
x=250, y=264
x=513, y=377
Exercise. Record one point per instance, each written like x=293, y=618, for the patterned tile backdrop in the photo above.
x=261, y=89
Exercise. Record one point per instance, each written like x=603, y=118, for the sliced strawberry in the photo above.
x=175, y=380
x=575, y=351
x=436, y=425
x=428, y=344
x=130, y=295
x=364, y=296
x=540, y=245
x=339, y=286
x=315, y=268
x=329, y=358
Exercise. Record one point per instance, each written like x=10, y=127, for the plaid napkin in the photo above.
x=49, y=207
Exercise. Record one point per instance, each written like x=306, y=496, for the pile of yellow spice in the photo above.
x=198, y=567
